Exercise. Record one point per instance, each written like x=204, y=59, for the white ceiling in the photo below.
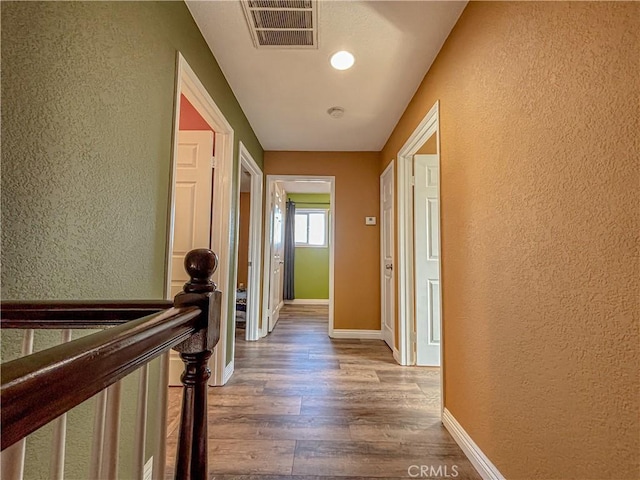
x=285, y=93
x=301, y=186
x=293, y=186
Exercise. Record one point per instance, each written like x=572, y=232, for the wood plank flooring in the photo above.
x=303, y=406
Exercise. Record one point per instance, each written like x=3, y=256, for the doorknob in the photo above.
x=389, y=266
x=281, y=262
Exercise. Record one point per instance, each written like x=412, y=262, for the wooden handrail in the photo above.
x=38, y=388
x=76, y=314
x=68, y=374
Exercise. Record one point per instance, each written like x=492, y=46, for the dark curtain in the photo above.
x=289, y=250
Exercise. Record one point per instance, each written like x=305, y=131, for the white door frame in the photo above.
x=266, y=269
x=406, y=312
x=405, y=261
x=187, y=83
x=252, y=331
x=388, y=171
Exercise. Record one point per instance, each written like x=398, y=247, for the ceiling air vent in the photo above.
x=282, y=23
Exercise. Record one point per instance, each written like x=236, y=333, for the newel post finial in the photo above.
x=195, y=351
x=200, y=264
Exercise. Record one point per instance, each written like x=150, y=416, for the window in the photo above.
x=311, y=228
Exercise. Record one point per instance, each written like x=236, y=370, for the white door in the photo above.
x=427, y=259
x=276, y=282
x=192, y=224
x=386, y=256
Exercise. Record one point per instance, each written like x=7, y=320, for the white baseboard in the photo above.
x=478, y=459
x=358, y=334
x=307, y=301
x=396, y=355
x=228, y=371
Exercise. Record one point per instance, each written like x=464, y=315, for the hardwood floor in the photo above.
x=303, y=406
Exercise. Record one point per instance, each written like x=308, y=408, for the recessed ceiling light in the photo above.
x=342, y=60
x=336, y=112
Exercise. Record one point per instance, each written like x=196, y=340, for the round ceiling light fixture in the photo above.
x=342, y=60
x=336, y=112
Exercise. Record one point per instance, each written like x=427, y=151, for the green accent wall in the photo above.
x=87, y=117
x=311, y=270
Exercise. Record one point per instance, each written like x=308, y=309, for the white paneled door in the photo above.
x=192, y=224
x=427, y=259
x=387, y=256
x=276, y=283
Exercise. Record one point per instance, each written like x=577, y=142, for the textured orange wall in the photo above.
x=430, y=146
x=357, y=261
x=243, y=238
x=539, y=108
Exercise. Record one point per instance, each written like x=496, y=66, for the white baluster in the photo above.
x=97, y=445
x=12, y=459
x=109, y=466
x=141, y=423
x=161, y=418
x=59, y=439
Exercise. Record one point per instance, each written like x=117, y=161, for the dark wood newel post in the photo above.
x=191, y=459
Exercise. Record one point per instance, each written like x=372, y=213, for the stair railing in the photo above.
x=40, y=387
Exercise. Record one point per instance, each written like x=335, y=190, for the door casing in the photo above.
x=254, y=287
x=406, y=290
x=187, y=83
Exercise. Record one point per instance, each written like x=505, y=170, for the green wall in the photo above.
x=87, y=108
x=311, y=270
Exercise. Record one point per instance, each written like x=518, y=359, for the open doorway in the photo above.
x=300, y=211
x=308, y=280
x=418, y=166
x=192, y=204
x=206, y=196
x=204, y=130
x=249, y=255
x=193, y=190
x=420, y=335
